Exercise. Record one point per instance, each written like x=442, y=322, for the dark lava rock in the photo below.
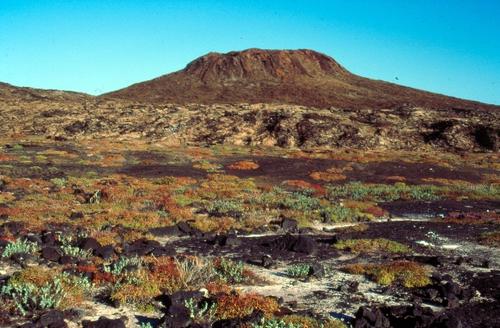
x=430, y=260
x=140, y=247
x=298, y=244
x=470, y=315
x=166, y=231
x=34, y=239
x=225, y=240
x=163, y=251
x=446, y=293
x=254, y=318
x=66, y=259
x=393, y=316
x=105, y=252
x=488, y=284
x=49, y=238
x=76, y=215
x=21, y=258
x=52, y=253
x=52, y=319
x=317, y=270
x=266, y=261
x=289, y=225
x=349, y=287
x=103, y=322
x=176, y=313
x=186, y=229
x=89, y=244
x=178, y=298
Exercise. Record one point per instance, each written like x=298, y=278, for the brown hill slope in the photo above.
x=302, y=77
x=9, y=92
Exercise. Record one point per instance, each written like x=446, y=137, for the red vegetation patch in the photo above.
x=6, y=158
x=301, y=184
x=327, y=176
x=239, y=305
x=168, y=204
x=244, y=165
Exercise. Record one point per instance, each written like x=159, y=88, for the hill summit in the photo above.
x=300, y=77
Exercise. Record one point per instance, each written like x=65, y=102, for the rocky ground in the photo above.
x=135, y=233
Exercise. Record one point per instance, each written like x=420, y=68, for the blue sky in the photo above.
x=446, y=46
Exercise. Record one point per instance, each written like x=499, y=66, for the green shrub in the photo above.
x=383, y=192
x=230, y=271
x=117, y=267
x=275, y=323
x=20, y=246
x=299, y=200
x=339, y=213
x=27, y=296
x=372, y=245
x=298, y=270
x=222, y=207
x=201, y=313
x=59, y=182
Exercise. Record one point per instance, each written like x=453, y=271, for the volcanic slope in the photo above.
x=300, y=77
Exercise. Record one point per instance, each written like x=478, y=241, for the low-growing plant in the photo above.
x=372, y=245
x=244, y=165
x=75, y=251
x=408, y=274
x=383, y=192
x=59, y=182
x=339, y=213
x=194, y=272
x=300, y=200
x=310, y=322
x=135, y=288
x=300, y=270
x=275, y=323
x=201, y=313
x=27, y=296
x=145, y=325
x=20, y=246
x=223, y=207
x=118, y=267
x=229, y=271
x=235, y=305
x=208, y=166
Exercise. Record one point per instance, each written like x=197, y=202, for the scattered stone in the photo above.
x=52, y=319
x=105, y=252
x=316, y=270
x=103, y=322
x=166, y=231
x=298, y=244
x=89, y=244
x=140, y=247
x=76, y=215
x=66, y=259
x=52, y=253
